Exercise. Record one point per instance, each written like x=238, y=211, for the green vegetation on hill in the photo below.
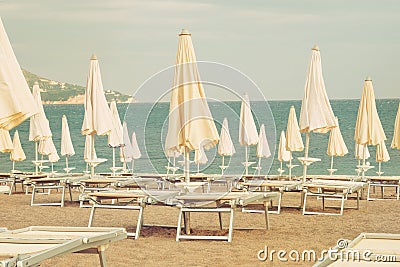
x=60, y=91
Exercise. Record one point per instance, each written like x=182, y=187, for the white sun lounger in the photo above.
x=331, y=190
x=32, y=245
x=127, y=200
x=382, y=182
x=368, y=249
x=224, y=203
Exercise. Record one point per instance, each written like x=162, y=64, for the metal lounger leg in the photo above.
x=62, y=196
x=102, y=255
x=342, y=206
x=230, y=226
x=139, y=223
x=91, y=215
x=33, y=195
x=304, y=198
x=266, y=215
x=179, y=228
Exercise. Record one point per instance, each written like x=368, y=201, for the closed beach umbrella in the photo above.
x=67, y=149
x=316, y=113
x=369, y=130
x=6, y=144
x=382, y=155
x=97, y=118
x=135, y=149
x=16, y=101
x=396, y=133
x=263, y=150
x=115, y=138
x=89, y=154
x=293, y=137
x=39, y=128
x=17, y=154
x=47, y=148
x=127, y=152
x=200, y=157
x=225, y=145
x=190, y=122
x=336, y=145
x=283, y=153
x=248, y=135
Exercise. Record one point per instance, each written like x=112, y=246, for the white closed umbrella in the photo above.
x=190, y=122
x=225, y=145
x=316, y=113
x=336, y=145
x=115, y=138
x=97, y=119
x=396, y=132
x=283, y=153
x=127, y=152
x=369, y=130
x=39, y=128
x=67, y=148
x=135, y=149
x=17, y=154
x=248, y=135
x=16, y=101
x=263, y=150
x=47, y=148
x=382, y=155
x=294, y=142
x=200, y=157
x=6, y=144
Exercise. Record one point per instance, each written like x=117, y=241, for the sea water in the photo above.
x=150, y=123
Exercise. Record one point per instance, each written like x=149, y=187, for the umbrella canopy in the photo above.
x=263, y=150
x=225, y=145
x=369, y=129
x=316, y=113
x=88, y=155
x=16, y=102
x=115, y=138
x=359, y=152
x=17, y=154
x=135, y=147
x=127, y=151
x=47, y=148
x=190, y=122
x=283, y=153
x=396, y=134
x=6, y=144
x=247, y=129
x=97, y=119
x=336, y=145
x=382, y=154
x=39, y=127
x=67, y=149
x=294, y=142
x=200, y=156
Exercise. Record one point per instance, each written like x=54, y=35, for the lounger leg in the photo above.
x=139, y=223
x=62, y=196
x=70, y=192
x=230, y=226
x=369, y=190
x=342, y=206
x=102, y=255
x=266, y=215
x=187, y=222
x=91, y=216
x=398, y=192
x=304, y=202
x=279, y=203
x=219, y=216
x=179, y=228
x=323, y=203
x=33, y=195
x=358, y=200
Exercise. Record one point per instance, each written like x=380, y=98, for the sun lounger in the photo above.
x=368, y=249
x=127, y=200
x=224, y=203
x=30, y=246
x=382, y=182
x=331, y=190
x=352, y=178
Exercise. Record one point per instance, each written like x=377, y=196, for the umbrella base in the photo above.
x=308, y=161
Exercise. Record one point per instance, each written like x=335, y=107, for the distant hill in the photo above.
x=54, y=92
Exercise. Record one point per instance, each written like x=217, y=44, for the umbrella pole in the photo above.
x=364, y=154
x=187, y=165
x=290, y=166
x=223, y=165
x=66, y=164
x=379, y=168
x=174, y=170
x=331, y=171
x=36, y=158
x=13, y=165
x=113, y=169
x=168, y=165
x=259, y=166
x=306, y=156
x=92, y=156
x=198, y=168
x=247, y=167
x=133, y=164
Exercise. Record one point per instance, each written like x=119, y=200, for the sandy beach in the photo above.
x=157, y=246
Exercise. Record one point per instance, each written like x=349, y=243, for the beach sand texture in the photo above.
x=157, y=246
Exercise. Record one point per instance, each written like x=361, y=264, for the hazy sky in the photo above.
x=269, y=41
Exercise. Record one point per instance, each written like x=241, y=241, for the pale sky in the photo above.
x=269, y=41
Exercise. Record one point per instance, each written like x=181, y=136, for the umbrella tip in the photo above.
x=36, y=83
x=315, y=47
x=185, y=32
x=94, y=57
x=368, y=78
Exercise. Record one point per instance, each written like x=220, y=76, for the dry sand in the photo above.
x=157, y=246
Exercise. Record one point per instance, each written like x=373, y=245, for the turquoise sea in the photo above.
x=150, y=121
